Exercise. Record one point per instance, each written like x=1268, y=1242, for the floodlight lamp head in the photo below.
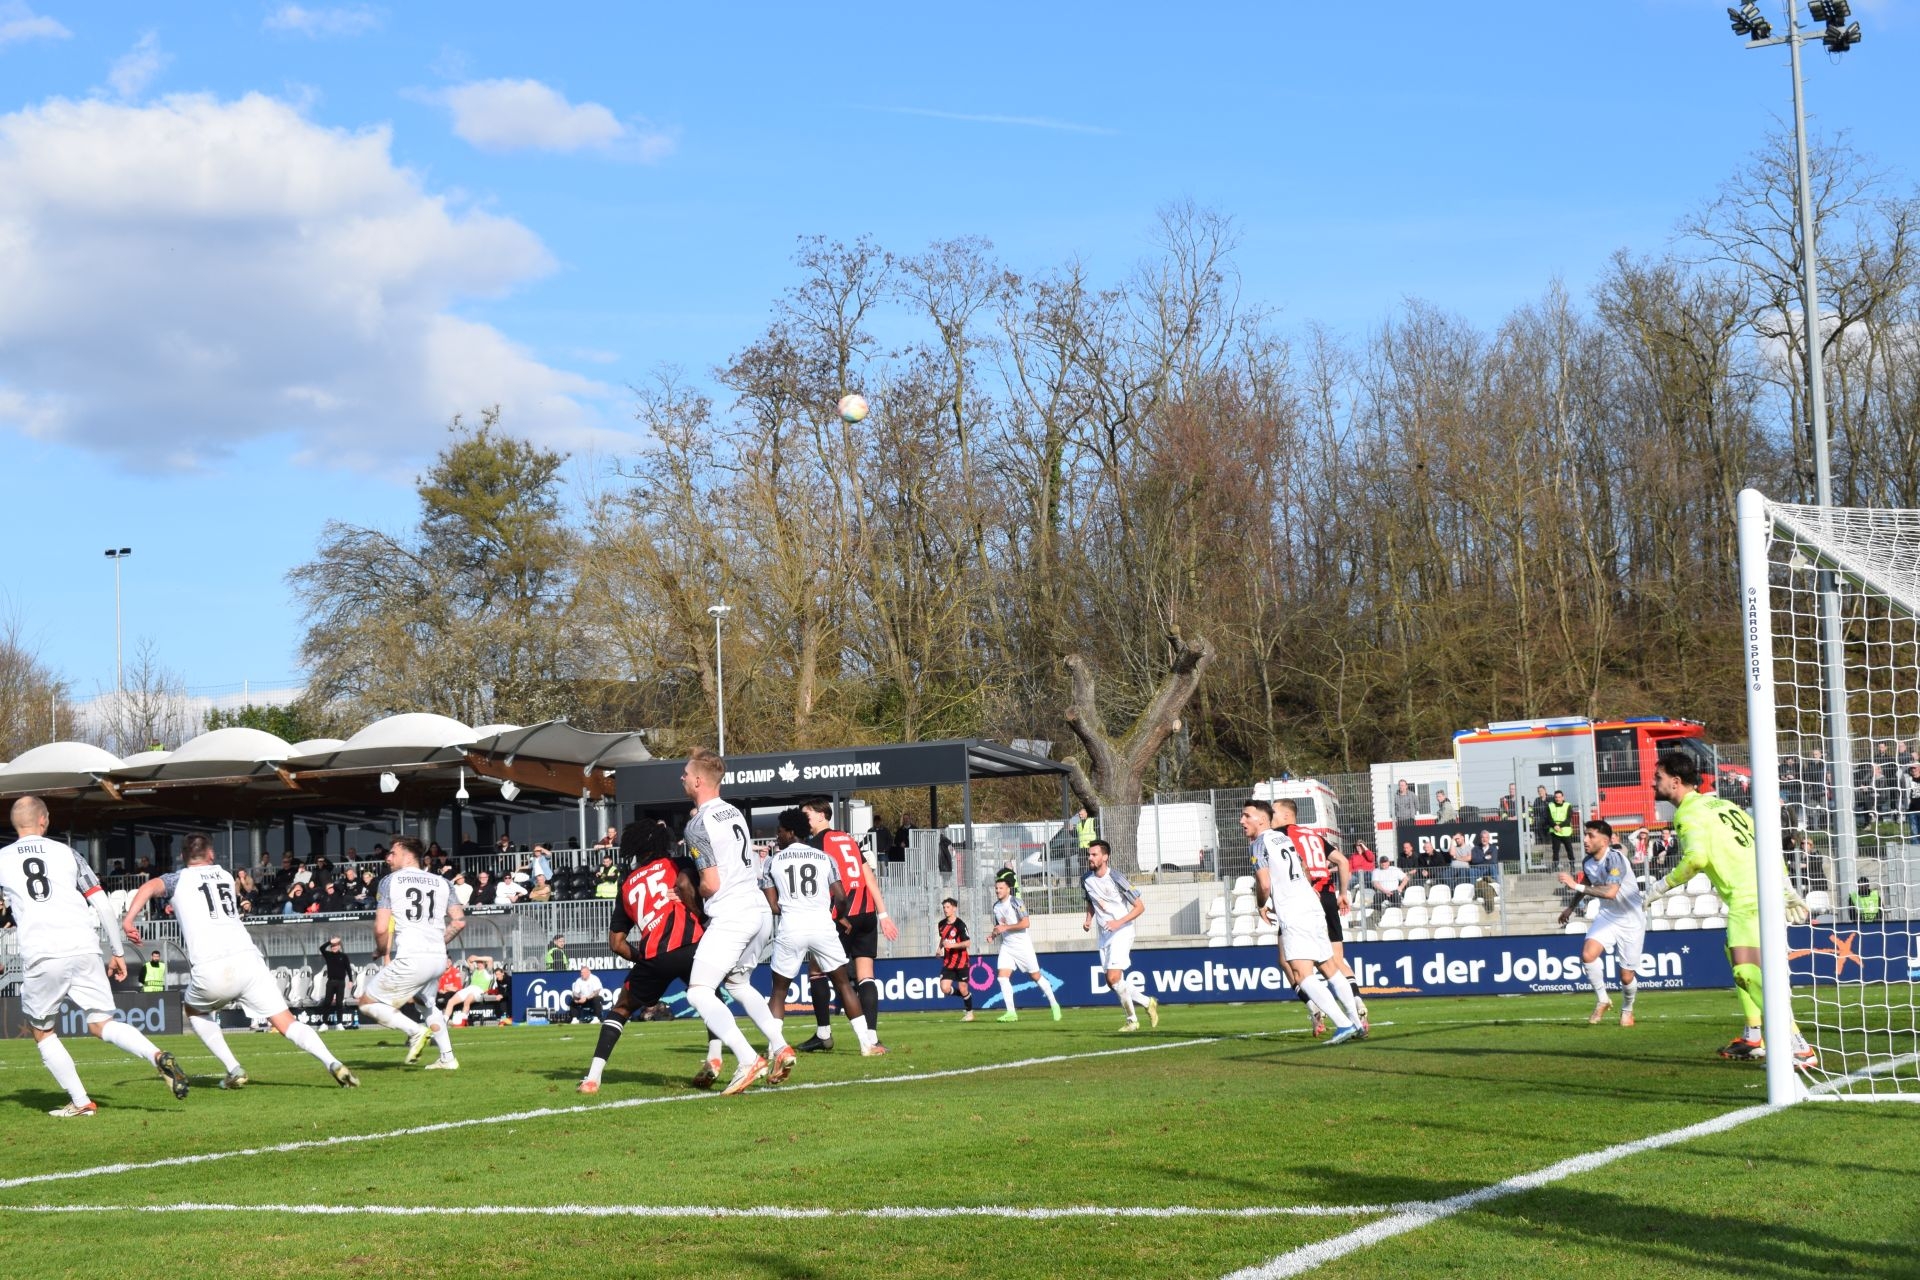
x=1739, y=24
x=389, y=782
x=509, y=790
x=1839, y=39
x=1830, y=11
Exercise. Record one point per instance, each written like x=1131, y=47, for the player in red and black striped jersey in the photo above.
x=1327, y=871
x=955, y=979
x=655, y=925
x=864, y=920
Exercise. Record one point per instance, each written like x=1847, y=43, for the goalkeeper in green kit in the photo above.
x=1716, y=839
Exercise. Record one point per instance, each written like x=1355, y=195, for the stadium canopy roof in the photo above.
x=840, y=771
x=411, y=762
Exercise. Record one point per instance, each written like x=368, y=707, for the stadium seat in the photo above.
x=1415, y=896
x=1656, y=909
x=1243, y=904
x=1218, y=941
x=1217, y=927
x=1706, y=905
x=1819, y=901
x=1242, y=884
x=1575, y=926
x=1590, y=909
x=1217, y=909
x=1417, y=916
x=1242, y=940
x=1468, y=914
x=1473, y=931
x=1699, y=884
x=1442, y=914
x=1419, y=935
x=1656, y=926
x=1392, y=935
x=1462, y=893
x=1446, y=931
x=1393, y=917
x=317, y=990
x=1688, y=923
x=1267, y=939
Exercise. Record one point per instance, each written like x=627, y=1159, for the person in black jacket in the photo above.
x=334, y=956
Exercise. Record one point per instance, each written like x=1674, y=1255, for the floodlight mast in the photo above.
x=1747, y=20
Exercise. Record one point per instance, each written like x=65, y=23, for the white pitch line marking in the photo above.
x=539, y=1113
x=1035, y=1213
x=1413, y=1217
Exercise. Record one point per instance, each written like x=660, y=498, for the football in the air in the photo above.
x=853, y=408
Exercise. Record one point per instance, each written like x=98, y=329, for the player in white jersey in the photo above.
x=1115, y=905
x=1620, y=924
x=225, y=968
x=416, y=916
x=739, y=926
x=1287, y=897
x=802, y=885
x=59, y=911
x=1012, y=925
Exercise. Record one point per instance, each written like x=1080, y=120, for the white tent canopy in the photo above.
x=415, y=737
x=56, y=766
x=223, y=753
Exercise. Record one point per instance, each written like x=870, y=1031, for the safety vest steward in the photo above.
x=153, y=977
x=1866, y=904
x=1560, y=818
x=1083, y=832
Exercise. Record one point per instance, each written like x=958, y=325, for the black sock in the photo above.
x=822, y=1001
x=966, y=995
x=610, y=1028
x=870, y=1002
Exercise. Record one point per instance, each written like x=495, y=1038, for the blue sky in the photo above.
x=252, y=255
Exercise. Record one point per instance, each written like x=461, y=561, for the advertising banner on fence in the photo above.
x=154, y=1013
x=1188, y=975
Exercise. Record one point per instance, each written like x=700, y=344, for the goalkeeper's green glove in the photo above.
x=1656, y=886
x=1797, y=910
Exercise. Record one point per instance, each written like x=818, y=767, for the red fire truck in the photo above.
x=1604, y=766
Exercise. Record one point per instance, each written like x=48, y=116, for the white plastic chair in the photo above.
x=1271, y=938
x=1699, y=884
x=1446, y=931
x=1442, y=914
x=1217, y=927
x=1242, y=884
x=1419, y=935
x=1659, y=926
x=1243, y=904
x=1219, y=940
x=1473, y=931
x=1656, y=909
x=1688, y=923
x=1393, y=918
x=1418, y=916
x=1216, y=909
x=1465, y=916
x=1819, y=900
x=1575, y=926
x=1415, y=896
x=1462, y=894
x=1707, y=906
x=1392, y=935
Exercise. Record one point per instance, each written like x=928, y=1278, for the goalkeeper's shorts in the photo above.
x=1743, y=929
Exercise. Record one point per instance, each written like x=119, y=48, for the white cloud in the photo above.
x=179, y=278
x=316, y=24
x=134, y=70
x=1023, y=122
x=526, y=115
x=18, y=22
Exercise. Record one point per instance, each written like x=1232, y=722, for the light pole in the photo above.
x=717, y=612
x=117, y=555
x=1838, y=37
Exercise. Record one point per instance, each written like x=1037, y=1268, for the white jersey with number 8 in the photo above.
x=418, y=900
x=48, y=886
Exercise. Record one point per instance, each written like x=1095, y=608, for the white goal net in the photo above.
x=1831, y=599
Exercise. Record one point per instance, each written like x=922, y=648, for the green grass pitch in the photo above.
x=1222, y=1108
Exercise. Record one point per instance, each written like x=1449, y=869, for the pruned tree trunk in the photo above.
x=1114, y=784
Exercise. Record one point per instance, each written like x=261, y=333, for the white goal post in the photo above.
x=1830, y=605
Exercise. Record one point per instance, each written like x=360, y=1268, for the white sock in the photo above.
x=302, y=1036
x=714, y=1048
x=706, y=1002
x=437, y=1028
x=1597, y=979
x=1124, y=990
x=1046, y=988
x=862, y=1032
x=1628, y=991
x=391, y=1018
x=65, y=1074
x=1751, y=1032
x=125, y=1038
x=215, y=1039
x=1006, y=990
x=760, y=1011
x=1322, y=999
x=1343, y=992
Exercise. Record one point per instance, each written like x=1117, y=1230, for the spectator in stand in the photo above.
x=1484, y=854
x=283, y=878
x=329, y=898
x=303, y=874
x=244, y=891
x=504, y=844
x=468, y=848
x=897, y=850
x=587, y=996
x=1537, y=816
x=452, y=981
x=462, y=891
x=1910, y=787
x=435, y=854
x=1510, y=802
x=1443, y=808
x=606, y=880
x=541, y=865
x=609, y=839
x=1405, y=803
x=1408, y=859
x=508, y=891
x=1459, y=867
x=484, y=890
x=1389, y=884
x=296, y=903
x=359, y=894
x=1360, y=863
